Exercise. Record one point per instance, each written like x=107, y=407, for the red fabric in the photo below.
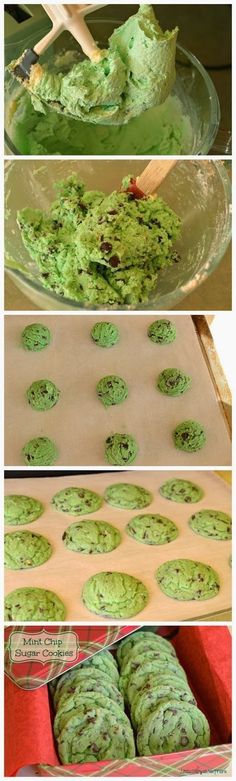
x=28, y=728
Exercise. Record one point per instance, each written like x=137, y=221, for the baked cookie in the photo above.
x=153, y=691
x=152, y=529
x=94, y=681
x=91, y=537
x=105, y=334
x=212, y=523
x=173, y=382
x=80, y=700
x=76, y=501
x=43, y=395
x=35, y=337
x=138, y=657
x=189, y=436
x=112, y=390
x=154, y=669
x=69, y=682
x=94, y=735
x=20, y=509
x=40, y=451
x=23, y=550
x=120, y=449
x=151, y=639
x=144, y=646
x=127, y=496
x=33, y=604
x=173, y=726
x=186, y=579
x=162, y=332
x=181, y=491
x=114, y=594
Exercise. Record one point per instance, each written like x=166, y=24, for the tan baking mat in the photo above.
x=66, y=571
x=80, y=424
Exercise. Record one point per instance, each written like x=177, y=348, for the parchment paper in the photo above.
x=79, y=423
x=66, y=571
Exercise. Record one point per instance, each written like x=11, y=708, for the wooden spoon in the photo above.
x=151, y=177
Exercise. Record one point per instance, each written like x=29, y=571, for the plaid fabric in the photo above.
x=208, y=760
x=30, y=674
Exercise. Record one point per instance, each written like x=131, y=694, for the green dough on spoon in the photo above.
x=121, y=449
x=112, y=390
x=43, y=395
x=40, y=451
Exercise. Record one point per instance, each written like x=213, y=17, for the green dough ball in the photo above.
x=189, y=436
x=153, y=691
x=173, y=382
x=121, y=449
x=105, y=334
x=112, y=390
x=127, y=496
x=152, y=529
x=33, y=604
x=212, y=523
x=43, y=395
x=114, y=594
x=21, y=509
x=181, y=491
x=96, y=734
x=186, y=579
x=76, y=501
x=40, y=451
x=23, y=549
x=91, y=537
x=154, y=669
x=151, y=639
x=162, y=332
x=35, y=337
x=174, y=726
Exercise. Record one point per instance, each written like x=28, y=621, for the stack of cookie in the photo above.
x=163, y=710
x=90, y=723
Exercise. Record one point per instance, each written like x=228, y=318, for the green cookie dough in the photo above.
x=76, y=501
x=173, y=382
x=152, y=529
x=137, y=658
x=94, y=735
x=133, y=641
x=80, y=700
x=91, y=537
x=40, y=451
x=189, y=436
x=100, y=250
x=162, y=332
x=112, y=390
x=212, y=523
x=148, y=697
x=181, y=491
x=23, y=549
x=21, y=509
x=154, y=669
x=35, y=337
x=134, y=73
x=121, y=449
x=33, y=604
x=186, y=579
x=114, y=594
x=174, y=726
x=43, y=395
x=127, y=496
x=105, y=334
x=93, y=681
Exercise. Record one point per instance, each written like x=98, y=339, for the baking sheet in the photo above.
x=66, y=571
x=79, y=424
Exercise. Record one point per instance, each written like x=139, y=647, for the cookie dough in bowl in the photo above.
x=35, y=337
x=105, y=334
x=33, y=604
x=187, y=580
x=128, y=496
x=114, y=594
x=152, y=529
x=173, y=382
x=40, y=451
x=91, y=537
x=76, y=501
x=112, y=390
x=174, y=726
x=121, y=449
x=43, y=395
x=181, y=491
x=19, y=510
x=213, y=524
x=189, y=436
x=24, y=549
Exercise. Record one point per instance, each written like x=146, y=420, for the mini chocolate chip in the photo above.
x=114, y=261
x=105, y=246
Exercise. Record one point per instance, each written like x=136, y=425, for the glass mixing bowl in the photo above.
x=198, y=190
x=187, y=123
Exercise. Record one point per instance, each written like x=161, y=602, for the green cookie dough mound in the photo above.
x=43, y=395
x=153, y=691
x=155, y=670
x=91, y=683
x=112, y=390
x=91, y=537
x=105, y=334
x=134, y=640
x=20, y=509
x=173, y=382
x=35, y=337
x=127, y=496
x=137, y=658
x=33, y=604
x=96, y=734
x=121, y=449
x=186, y=579
x=181, y=491
x=152, y=529
x=174, y=726
x=212, y=523
x=23, y=549
x=114, y=594
x=76, y=501
x=162, y=332
x=189, y=436
x=40, y=451
x=81, y=701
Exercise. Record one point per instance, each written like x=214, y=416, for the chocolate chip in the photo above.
x=112, y=211
x=114, y=261
x=105, y=246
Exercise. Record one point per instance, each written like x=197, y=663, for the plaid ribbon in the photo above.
x=215, y=758
x=32, y=674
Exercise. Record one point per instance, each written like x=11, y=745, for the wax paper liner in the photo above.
x=206, y=654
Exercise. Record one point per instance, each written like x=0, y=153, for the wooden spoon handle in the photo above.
x=154, y=174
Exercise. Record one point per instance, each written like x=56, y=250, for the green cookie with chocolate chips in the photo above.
x=213, y=524
x=94, y=735
x=181, y=491
x=153, y=691
x=91, y=681
x=173, y=726
x=185, y=579
x=76, y=501
x=23, y=550
x=127, y=496
x=91, y=537
x=150, y=639
x=173, y=382
x=121, y=449
x=114, y=594
x=162, y=332
x=19, y=510
x=152, y=529
x=189, y=436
